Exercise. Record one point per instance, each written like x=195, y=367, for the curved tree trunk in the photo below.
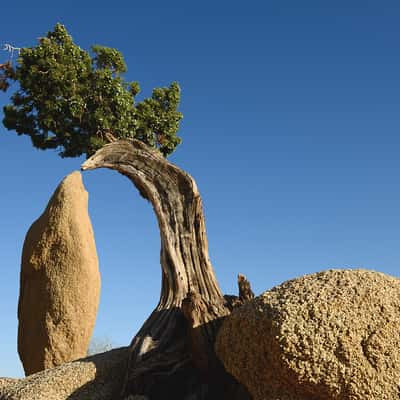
x=173, y=352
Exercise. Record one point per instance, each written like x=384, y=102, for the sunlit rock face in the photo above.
x=60, y=281
x=330, y=335
x=98, y=377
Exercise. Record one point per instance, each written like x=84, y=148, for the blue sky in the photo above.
x=291, y=131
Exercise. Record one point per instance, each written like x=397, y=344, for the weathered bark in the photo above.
x=245, y=294
x=173, y=352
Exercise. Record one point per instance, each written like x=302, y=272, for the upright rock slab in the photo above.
x=332, y=335
x=59, y=282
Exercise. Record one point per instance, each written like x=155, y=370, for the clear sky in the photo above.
x=291, y=130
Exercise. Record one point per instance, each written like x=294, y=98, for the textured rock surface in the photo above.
x=60, y=281
x=98, y=377
x=5, y=382
x=327, y=336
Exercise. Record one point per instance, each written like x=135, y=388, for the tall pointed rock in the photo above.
x=59, y=282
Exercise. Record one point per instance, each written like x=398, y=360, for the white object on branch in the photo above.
x=11, y=49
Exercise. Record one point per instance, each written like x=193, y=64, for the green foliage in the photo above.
x=6, y=74
x=70, y=100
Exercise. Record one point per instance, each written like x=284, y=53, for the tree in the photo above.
x=71, y=100
x=68, y=100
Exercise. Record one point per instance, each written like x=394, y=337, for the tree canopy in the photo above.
x=70, y=99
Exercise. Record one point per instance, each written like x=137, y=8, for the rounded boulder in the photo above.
x=326, y=336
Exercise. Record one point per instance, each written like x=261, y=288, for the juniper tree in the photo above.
x=72, y=100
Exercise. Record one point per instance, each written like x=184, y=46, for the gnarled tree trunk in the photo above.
x=172, y=355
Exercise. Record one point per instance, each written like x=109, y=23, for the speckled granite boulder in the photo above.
x=99, y=377
x=332, y=335
x=59, y=282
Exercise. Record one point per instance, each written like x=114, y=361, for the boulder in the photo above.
x=326, y=336
x=98, y=377
x=59, y=282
